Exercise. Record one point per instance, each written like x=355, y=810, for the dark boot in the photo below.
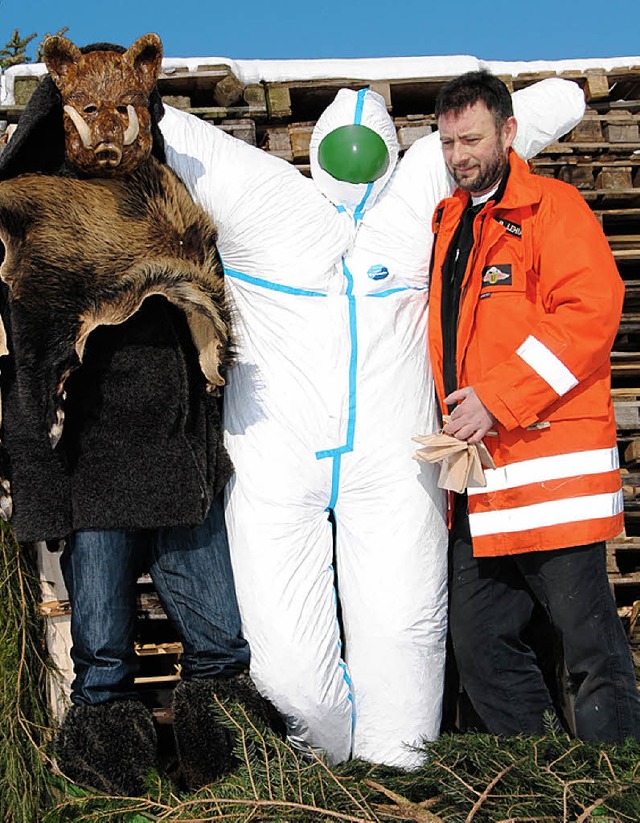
x=204, y=735
x=111, y=747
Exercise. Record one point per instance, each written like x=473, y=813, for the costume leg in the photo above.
x=282, y=562
x=107, y=739
x=490, y=606
x=191, y=571
x=573, y=585
x=392, y=581
x=100, y=570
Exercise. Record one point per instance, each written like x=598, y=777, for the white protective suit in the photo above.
x=328, y=286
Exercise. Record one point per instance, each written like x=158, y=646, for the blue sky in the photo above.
x=491, y=30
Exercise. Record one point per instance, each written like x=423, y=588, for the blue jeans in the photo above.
x=491, y=602
x=191, y=571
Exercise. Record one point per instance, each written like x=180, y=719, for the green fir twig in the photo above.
x=24, y=715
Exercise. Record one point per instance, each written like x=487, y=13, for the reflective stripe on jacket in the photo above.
x=539, y=309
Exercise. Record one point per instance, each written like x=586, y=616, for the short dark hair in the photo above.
x=458, y=94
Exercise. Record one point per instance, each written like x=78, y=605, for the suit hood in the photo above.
x=366, y=108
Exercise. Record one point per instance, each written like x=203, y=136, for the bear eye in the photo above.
x=90, y=109
x=121, y=109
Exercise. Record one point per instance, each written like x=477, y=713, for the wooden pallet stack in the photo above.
x=601, y=157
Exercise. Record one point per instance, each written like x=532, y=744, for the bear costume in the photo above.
x=115, y=337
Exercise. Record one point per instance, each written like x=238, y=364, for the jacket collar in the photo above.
x=522, y=189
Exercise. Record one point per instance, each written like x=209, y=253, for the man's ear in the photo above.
x=61, y=57
x=509, y=131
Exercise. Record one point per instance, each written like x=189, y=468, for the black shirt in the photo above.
x=453, y=271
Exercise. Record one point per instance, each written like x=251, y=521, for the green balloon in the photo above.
x=353, y=154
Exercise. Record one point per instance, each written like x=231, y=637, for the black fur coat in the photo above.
x=105, y=426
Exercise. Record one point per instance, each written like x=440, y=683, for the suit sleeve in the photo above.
x=581, y=295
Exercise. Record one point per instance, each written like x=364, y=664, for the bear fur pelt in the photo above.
x=83, y=253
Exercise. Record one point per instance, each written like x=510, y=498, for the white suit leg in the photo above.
x=392, y=573
x=282, y=560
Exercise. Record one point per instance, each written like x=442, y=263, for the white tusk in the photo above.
x=133, y=128
x=81, y=126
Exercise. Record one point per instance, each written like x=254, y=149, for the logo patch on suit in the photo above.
x=497, y=275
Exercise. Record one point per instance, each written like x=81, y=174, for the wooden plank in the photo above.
x=588, y=130
x=383, y=88
x=588, y=162
x=564, y=147
x=157, y=649
x=254, y=96
x=182, y=80
x=581, y=176
x=611, y=195
x=626, y=254
x=278, y=141
x=228, y=91
x=231, y=112
x=278, y=101
x=409, y=133
x=620, y=132
x=626, y=369
x=596, y=86
x=632, y=453
x=300, y=137
x=616, y=177
x=177, y=101
x=625, y=393
x=242, y=129
x=632, y=579
x=624, y=241
x=55, y=608
x=627, y=413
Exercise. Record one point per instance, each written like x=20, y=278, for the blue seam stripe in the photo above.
x=357, y=120
x=337, y=453
x=353, y=369
x=269, y=284
x=347, y=680
x=335, y=480
x=396, y=290
x=357, y=215
x=353, y=365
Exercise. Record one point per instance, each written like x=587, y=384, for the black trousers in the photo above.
x=491, y=602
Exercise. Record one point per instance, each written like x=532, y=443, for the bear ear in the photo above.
x=145, y=55
x=61, y=57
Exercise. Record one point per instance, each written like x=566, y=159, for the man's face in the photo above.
x=475, y=151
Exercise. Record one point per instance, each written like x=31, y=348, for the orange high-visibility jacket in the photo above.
x=539, y=309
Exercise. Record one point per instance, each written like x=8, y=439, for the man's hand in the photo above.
x=470, y=420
